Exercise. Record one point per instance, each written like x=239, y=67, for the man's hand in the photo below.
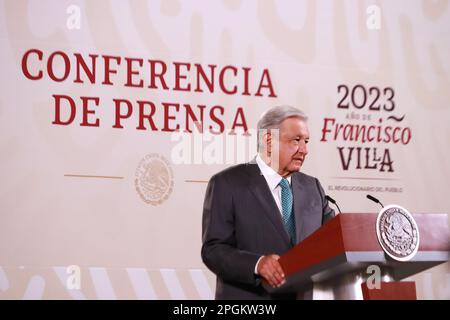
x=270, y=269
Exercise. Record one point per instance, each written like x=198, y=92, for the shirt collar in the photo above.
x=271, y=176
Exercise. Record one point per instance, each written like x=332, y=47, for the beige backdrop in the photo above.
x=69, y=194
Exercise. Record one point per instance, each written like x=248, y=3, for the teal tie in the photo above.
x=286, y=204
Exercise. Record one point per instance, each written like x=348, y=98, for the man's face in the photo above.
x=292, y=149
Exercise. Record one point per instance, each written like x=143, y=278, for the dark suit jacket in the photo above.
x=241, y=222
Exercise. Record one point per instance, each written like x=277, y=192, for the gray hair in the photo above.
x=272, y=119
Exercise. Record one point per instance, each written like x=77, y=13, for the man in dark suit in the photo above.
x=256, y=211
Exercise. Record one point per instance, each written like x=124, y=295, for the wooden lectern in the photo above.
x=332, y=262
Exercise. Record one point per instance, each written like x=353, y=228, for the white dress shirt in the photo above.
x=273, y=179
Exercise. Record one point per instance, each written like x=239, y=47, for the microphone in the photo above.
x=333, y=202
x=374, y=200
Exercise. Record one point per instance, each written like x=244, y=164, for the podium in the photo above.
x=333, y=262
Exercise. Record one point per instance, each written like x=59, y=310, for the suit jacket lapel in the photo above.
x=299, y=193
x=260, y=189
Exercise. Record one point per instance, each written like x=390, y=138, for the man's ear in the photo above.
x=268, y=142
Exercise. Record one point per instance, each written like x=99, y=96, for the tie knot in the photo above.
x=284, y=183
